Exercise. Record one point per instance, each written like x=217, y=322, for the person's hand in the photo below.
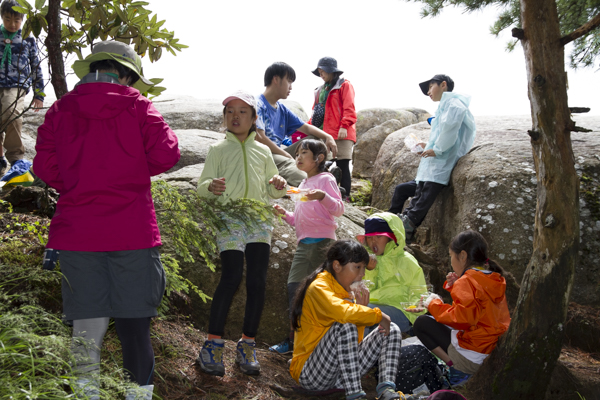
x=278, y=182
x=423, y=145
x=384, y=325
x=315, y=194
x=451, y=278
x=280, y=210
x=38, y=105
x=342, y=133
x=362, y=297
x=428, y=153
x=331, y=146
x=372, y=262
x=217, y=186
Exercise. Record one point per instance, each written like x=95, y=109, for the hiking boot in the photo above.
x=211, y=357
x=86, y=388
x=246, y=357
x=388, y=394
x=285, y=347
x=337, y=173
x=3, y=166
x=409, y=228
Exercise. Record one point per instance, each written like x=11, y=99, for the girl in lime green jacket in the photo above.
x=239, y=167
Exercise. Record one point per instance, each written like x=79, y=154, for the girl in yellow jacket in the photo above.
x=239, y=167
x=329, y=317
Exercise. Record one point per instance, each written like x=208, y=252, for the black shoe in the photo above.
x=337, y=173
x=3, y=166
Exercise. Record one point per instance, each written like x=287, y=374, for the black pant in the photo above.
x=346, y=181
x=431, y=333
x=423, y=195
x=232, y=268
x=138, y=355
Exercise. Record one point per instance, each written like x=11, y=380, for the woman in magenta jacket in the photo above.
x=98, y=147
x=334, y=112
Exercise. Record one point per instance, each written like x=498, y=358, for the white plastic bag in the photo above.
x=412, y=143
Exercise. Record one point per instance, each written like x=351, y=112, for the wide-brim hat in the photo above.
x=119, y=52
x=439, y=78
x=375, y=226
x=327, y=64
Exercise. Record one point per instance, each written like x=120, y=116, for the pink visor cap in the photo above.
x=361, y=238
x=243, y=96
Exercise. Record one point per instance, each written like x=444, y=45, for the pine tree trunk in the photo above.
x=522, y=364
x=55, y=59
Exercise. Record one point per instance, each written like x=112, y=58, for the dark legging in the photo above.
x=138, y=355
x=431, y=333
x=346, y=181
x=232, y=268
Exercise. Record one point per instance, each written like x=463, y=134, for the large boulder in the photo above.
x=194, y=145
x=367, y=146
x=274, y=324
x=186, y=112
x=493, y=190
x=297, y=109
x=371, y=117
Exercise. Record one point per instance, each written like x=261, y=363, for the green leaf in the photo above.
x=25, y=5
x=20, y=10
x=39, y=4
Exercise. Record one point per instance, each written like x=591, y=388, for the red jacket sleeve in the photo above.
x=45, y=165
x=160, y=142
x=348, y=109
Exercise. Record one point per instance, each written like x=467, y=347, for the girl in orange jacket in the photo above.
x=464, y=333
x=329, y=317
x=334, y=112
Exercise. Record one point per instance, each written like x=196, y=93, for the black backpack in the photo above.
x=417, y=367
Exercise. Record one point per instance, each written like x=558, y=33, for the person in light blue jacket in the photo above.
x=452, y=135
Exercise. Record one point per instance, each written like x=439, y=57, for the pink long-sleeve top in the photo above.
x=314, y=219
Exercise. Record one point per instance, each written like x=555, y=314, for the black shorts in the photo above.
x=118, y=284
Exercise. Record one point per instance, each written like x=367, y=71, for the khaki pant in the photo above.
x=12, y=101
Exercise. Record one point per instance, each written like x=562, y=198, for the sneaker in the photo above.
x=388, y=394
x=285, y=347
x=3, y=165
x=246, y=357
x=211, y=357
x=457, y=378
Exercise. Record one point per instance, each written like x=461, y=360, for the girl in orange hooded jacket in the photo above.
x=334, y=112
x=329, y=316
x=465, y=332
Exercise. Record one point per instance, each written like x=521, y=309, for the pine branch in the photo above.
x=581, y=31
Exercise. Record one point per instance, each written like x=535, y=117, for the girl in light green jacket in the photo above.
x=239, y=167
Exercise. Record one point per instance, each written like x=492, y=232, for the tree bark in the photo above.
x=55, y=59
x=522, y=364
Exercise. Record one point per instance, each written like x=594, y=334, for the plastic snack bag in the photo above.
x=412, y=143
x=298, y=194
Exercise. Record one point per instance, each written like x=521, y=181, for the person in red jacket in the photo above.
x=334, y=113
x=465, y=332
x=98, y=147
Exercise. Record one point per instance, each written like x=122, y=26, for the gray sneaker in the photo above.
x=246, y=357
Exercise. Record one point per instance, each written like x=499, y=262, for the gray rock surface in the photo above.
x=193, y=146
x=371, y=117
x=368, y=145
x=297, y=109
x=493, y=191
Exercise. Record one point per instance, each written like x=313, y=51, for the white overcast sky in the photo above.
x=384, y=47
